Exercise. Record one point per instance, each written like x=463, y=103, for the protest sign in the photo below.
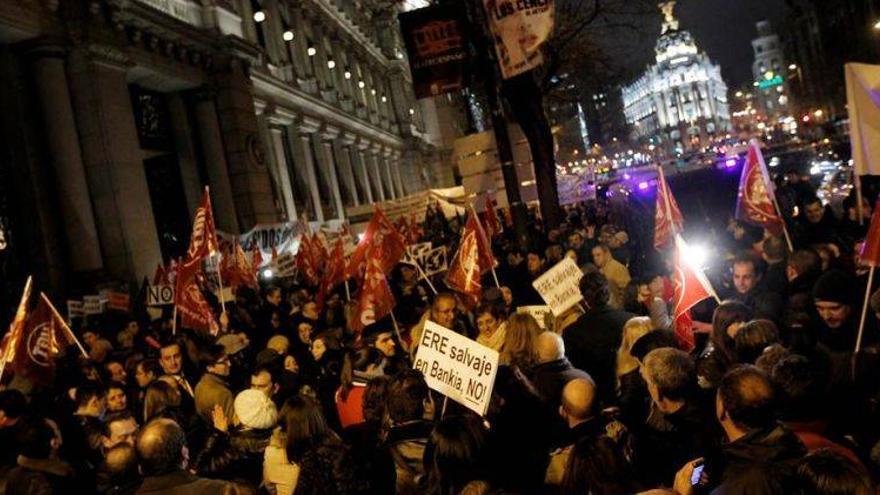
x=93, y=305
x=225, y=295
x=435, y=261
x=539, y=313
x=560, y=286
x=118, y=301
x=457, y=366
x=160, y=295
x=285, y=265
x=74, y=310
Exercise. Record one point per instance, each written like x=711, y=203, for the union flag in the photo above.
x=41, y=339
x=381, y=239
x=490, y=218
x=305, y=261
x=334, y=274
x=755, y=203
x=667, y=219
x=237, y=270
x=690, y=286
x=375, y=299
x=195, y=312
x=11, y=340
x=473, y=259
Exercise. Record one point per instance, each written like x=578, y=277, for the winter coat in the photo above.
x=181, y=482
x=210, y=391
x=326, y=469
x=39, y=477
x=235, y=456
x=591, y=344
x=406, y=443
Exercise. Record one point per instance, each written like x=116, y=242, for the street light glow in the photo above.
x=259, y=16
x=312, y=51
x=288, y=35
x=877, y=25
x=331, y=64
x=792, y=67
x=267, y=273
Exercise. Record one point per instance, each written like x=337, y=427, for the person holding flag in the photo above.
x=189, y=302
x=756, y=202
x=473, y=260
x=690, y=287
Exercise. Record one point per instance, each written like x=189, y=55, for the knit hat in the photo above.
x=835, y=286
x=255, y=410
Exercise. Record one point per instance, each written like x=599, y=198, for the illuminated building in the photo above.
x=770, y=73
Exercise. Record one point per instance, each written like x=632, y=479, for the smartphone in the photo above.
x=697, y=474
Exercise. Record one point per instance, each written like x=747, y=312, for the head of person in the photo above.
x=90, y=337
x=456, y=454
x=90, y=400
x=214, y=360
x=825, y=472
x=728, y=318
x=774, y=249
x=489, y=316
x=745, y=401
x=375, y=397
x=273, y=295
x=146, y=371
x=803, y=263
x=304, y=329
x=310, y=310
x=833, y=296
x=507, y=295
x=116, y=399
x=119, y=427
x=802, y=386
x=519, y=348
x=578, y=398
x=595, y=290
x=813, y=210
x=671, y=378
x=443, y=309
x=121, y=464
x=380, y=335
x=633, y=330
x=160, y=397
x=597, y=467
x=535, y=261
x=407, y=395
x=751, y=340
x=408, y=273
x=115, y=371
x=38, y=439
x=318, y=348
x=263, y=379
x=746, y=274
x=279, y=344
x=549, y=347
x=161, y=448
x=255, y=410
x=171, y=357
x=13, y=406
x=601, y=255
x=575, y=240
x=303, y=425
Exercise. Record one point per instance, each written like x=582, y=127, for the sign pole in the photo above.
x=63, y=325
x=347, y=291
x=425, y=277
x=220, y=282
x=174, y=318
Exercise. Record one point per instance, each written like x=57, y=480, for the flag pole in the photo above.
x=20, y=315
x=220, y=282
x=174, y=317
x=861, y=214
x=425, y=277
x=396, y=328
x=864, y=308
x=483, y=235
x=347, y=291
x=64, y=325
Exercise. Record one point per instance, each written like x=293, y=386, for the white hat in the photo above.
x=255, y=410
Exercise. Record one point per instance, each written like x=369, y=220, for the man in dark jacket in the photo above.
x=592, y=341
x=161, y=447
x=553, y=370
x=408, y=436
x=39, y=471
x=760, y=454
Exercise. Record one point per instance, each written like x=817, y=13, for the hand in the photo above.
x=682, y=484
x=221, y=422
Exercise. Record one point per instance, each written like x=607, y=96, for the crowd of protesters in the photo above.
x=602, y=399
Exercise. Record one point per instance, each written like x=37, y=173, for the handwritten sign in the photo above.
x=539, y=313
x=435, y=261
x=160, y=295
x=457, y=366
x=74, y=309
x=560, y=286
x=93, y=305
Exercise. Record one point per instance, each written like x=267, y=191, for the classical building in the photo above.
x=118, y=112
x=771, y=72
x=680, y=102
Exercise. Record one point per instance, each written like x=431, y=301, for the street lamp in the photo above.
x=793, y=67
x=311, y=50
x=287, y=35
x=877, y=25
x=259, y=16
x=331, y=64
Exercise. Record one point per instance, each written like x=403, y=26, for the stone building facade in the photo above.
x=118, y=112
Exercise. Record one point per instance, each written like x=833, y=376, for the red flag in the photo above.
x=274, y=259
x=473, y=259
x=256, y=259
x=375, y=299
x=493, y=225
x=39, y=343
x=305, y=261
x=12, y=339
x=334, y=274
x=667, y=219
x=755, y=202
x=870, y=253
x=236, y=269
x=320, y=253
x=191, y=304
x=380, y=239
x=690, y=287
x=160, y=276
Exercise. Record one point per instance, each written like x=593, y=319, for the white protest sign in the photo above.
x=93, y=305
x=74, y=309
x=539, y=313
x=285, y=265
x=560, y=286
x=160, y=295
x=457, y=366
x=436, y=261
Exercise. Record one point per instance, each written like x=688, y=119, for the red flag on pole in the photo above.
x=188, y=298
x=690, y=287
x=256, y=259
x=493, y=225
x=870, y=253
x=473, y=259
x=380, y=239
x=305, y=261
x=667, y=219
x=12, y=339
x=34, y=349
x=160, y=276
x=375, y=299
x=237, y=270
x=334, y=273
x=755, y=203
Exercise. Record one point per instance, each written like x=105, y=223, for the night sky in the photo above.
x=722, y=28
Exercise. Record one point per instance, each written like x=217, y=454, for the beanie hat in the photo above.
x=835, y=286
x=255, y=409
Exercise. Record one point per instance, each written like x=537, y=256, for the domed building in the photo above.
x=680, y=102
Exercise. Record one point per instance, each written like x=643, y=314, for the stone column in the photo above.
x=66, y=157
x=343, y=157
x=214, y=155
x=375, y=171
x=385, y=160
x=305, y=127
x=186, y=154
x=396, y=165
x=113, y=163
x=360, y=166
x=328, y=167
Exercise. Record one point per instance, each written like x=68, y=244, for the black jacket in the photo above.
x=763, y=462
x=235, y=456
x=591, y=344
x=551, y=377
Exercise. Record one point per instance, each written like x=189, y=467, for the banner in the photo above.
x=862, y=84
x=435, y=261
x=285, y=265
x=436, y=44
x=74, y=309
x=539, y=313
x=519, y=28
x=118, y=301
x=160, y=295
x=451, y=202
x=560, y=286
x=281, y=236
x=93, y=305
x=457, y=366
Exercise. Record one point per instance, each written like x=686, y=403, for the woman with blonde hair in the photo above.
x=633, y=329
x=519, y=341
